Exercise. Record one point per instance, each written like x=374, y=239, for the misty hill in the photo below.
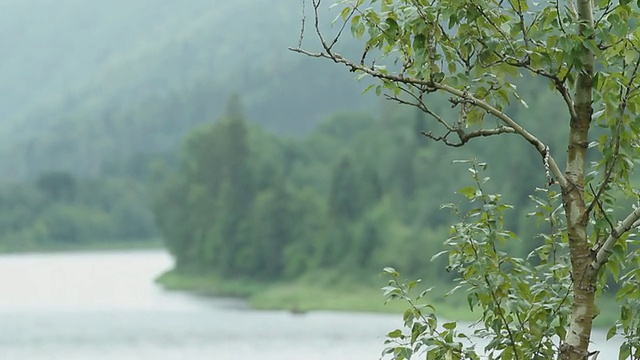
x=90, y=82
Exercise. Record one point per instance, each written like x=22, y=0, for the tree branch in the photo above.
x=504, y=36
x=539, y=145
x=558, y=83
x=604, y=251
x=344, y=24
x=423, y=107
x=596, y=200
x=463, y=135
x=559, y=14
x=607, y=10
x=302, y=26
x=625, y=94
x=522, y=23
x=466, y=136
x=431, y=85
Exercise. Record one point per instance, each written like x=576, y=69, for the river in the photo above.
x=98, y=306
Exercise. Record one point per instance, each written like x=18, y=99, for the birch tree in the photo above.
x=474, y=52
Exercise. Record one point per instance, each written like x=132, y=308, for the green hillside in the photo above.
x=55, y=45
x=92, y=83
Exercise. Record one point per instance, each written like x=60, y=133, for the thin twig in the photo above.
x=302, y=26
x=607, y=10
x=610, y=165
x=604, y=213
x=466, y=136
x=522, y=24
x=604, y=252
x=557, y=2
x=431, y=85
x=437, y=86
x=506, y=38
x=344, y=24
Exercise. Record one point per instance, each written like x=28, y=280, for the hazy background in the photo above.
x=188, y=128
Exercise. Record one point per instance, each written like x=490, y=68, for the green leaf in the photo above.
x=416, y=331
x=418, y=42
x=618, y=251
x=390, y=271
x=450, y=325
x=503, y=95
x=392, y=27
x=591, y=45
x=612, y=332
x=625, y=312
x=368, y=88
x=624, y=352
x=475, y=117
x=437, y=255
x=469, y=192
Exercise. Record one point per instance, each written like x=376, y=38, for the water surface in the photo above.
x=105, y=306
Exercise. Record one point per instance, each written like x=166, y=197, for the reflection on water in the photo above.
x=105, y=306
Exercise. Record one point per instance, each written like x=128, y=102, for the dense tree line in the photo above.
x=359, y=193
x=59, y=210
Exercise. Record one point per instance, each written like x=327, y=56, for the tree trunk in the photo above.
x=576, y=343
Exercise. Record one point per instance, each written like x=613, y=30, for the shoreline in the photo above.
x=303, y=295
x=128, y=245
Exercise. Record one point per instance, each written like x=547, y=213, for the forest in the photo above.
x=124, y=93
x=469, y=164
x=61, y=211
x=359, y=193
x=264, y=170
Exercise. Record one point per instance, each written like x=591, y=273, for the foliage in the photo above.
x=61, y=211
x=332, y=200
x=472, y=54
x=522, y=300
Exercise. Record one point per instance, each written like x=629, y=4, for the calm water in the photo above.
x=105, y=306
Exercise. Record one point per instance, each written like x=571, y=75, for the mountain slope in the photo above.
x=94, y=81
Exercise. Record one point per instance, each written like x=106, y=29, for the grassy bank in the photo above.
x=309, y=293
x=327, y=292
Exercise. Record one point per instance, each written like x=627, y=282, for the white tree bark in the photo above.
x=576, y=343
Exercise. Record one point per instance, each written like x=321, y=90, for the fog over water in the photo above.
x=106, y=306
